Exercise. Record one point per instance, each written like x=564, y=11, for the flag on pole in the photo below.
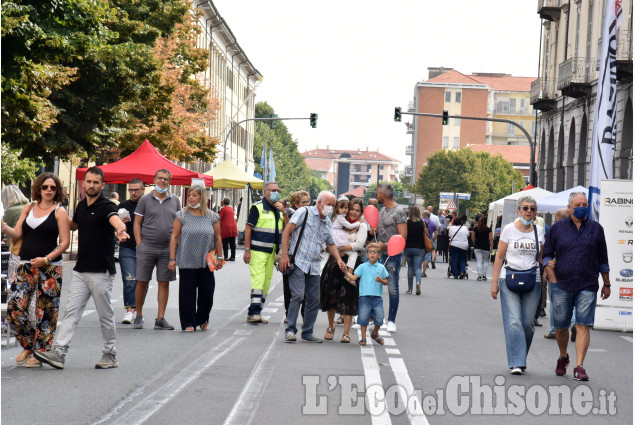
x=604, y=130
x=263, y=162
x=272, y=167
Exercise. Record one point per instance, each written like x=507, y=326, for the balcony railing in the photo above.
x=575, y=76
x=360, y=172
x=410, y=150
x=549, y=9
x=411, y=127
x=407, y=171
x=543, y=94
x=411, y=106
x=624, y=53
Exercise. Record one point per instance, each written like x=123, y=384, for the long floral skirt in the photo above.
x=33, y=306
x=335, y=292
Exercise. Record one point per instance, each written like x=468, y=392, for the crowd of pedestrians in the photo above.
x=156, y=235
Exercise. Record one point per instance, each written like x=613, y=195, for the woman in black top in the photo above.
x=415, y=248
x=37, y=284
x=482, y=240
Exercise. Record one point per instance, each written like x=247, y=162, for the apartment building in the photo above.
x=232, y=78
x=349, y=169
x=492, y=95
x=565, y=92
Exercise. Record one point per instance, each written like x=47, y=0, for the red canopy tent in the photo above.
x=143, y=163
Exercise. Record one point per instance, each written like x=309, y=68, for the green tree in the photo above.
x=15, y=168
x=485, y=177
x=398, y=190
x=292, y=173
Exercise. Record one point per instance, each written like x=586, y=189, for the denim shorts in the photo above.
x=563, y=303
x=370, y=306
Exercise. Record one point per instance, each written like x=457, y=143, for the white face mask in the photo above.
x=195, y=205
x=327, y=210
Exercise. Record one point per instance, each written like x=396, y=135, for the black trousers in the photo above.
x=287, y=297
x=194, y=308
x=227, y=244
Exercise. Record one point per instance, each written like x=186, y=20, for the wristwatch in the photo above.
x=247, y=249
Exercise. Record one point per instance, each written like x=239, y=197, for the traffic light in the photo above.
x=272, y=123
x=398, y=114
x=445, y=118
x=314, y=118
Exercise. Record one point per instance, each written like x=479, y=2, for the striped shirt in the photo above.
x=317, y=232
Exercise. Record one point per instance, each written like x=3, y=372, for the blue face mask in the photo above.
x=580, y=212
x=526, y=222
x=161, y=190
x=274, y=196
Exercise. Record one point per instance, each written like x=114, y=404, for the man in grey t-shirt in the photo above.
x=392, y=221
x=154, y=217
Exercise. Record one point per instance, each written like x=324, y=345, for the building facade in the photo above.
x=350, y=169
x=477, y=95
x=231, y=78
x=565, y=92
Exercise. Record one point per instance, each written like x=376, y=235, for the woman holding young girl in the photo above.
x=337, y=294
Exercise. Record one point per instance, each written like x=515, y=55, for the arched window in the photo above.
x=542, y=165
x=582, y=153
x=570, y=156
x=624, y=157
x=560, y=161
x=550, y=159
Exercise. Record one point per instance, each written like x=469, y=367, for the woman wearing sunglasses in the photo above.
x=520, y=245
x=33, y=306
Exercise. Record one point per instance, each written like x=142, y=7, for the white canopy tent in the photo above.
x=496, y=207
x=552, y=203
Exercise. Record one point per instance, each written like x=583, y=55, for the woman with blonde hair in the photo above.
x=33, y=306
x=195, y=233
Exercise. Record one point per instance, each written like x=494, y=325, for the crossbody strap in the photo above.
x=537, y=244
x=297, y=244
x=457, y=231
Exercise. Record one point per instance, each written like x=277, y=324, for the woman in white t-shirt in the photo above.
x=518, y=245
x=459, y=245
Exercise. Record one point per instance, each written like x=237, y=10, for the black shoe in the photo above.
x=433, y=266
x=537, y=323
x=542, y=312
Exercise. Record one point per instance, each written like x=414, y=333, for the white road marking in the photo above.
x=401, y=374
x=597, y=350
x=393, y=351
x=246, y=406
x=372, y=379
x=389, y=341
x=162, y=395
x=384, y=333
x=280, y=298
x=276, y=304
x=87, y=312
x=269, y=310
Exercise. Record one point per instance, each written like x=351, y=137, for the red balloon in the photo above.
x=371, y=215
x=396, y=244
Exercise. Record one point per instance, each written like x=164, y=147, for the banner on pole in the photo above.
x=604, y=130
x=616, y=217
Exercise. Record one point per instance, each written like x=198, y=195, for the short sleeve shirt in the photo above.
x=158, y=217
x=196, y=240
x=96, y=247
x=130, y=206
x=317, y=231
x=521, y=247
x=388, y=220
x=367, y=273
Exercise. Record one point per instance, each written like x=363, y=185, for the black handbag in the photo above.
x=521, y=281
x=291, y=265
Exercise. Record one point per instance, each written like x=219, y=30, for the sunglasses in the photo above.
x=373, y=252
x=47, y=187
x=528, y=208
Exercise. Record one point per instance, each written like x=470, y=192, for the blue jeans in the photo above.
x=304, y=287
x=564, y=302
x=128, y=264
x=552, y=321
x=518, y=321
x=459, y=256
x=393, y=265
x=482, y=258
x=370, y=306
x=414, y=257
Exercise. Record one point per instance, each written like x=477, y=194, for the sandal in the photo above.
x=329, y=334
x=339, y=321
x=33, y=362
x=189, y=329
x=345, y=339
x=204, y=326
x=362, y=342
x=23, y=357
x=377, y=338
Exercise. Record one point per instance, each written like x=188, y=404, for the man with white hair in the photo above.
x=304, y=279
x=579, y=246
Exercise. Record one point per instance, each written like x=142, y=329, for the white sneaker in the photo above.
x=128, y=318
x=517, y=371
x=391, y=327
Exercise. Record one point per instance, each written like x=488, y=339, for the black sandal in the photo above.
x=339, y=321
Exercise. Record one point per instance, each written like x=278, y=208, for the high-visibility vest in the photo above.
x=263, y=234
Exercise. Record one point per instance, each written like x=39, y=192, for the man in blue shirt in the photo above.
x=579, y=246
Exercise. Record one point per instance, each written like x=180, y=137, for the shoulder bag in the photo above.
x=521, y=281
x=17, y=244
x=291, y=265
x=427, y=242
x=454, y=235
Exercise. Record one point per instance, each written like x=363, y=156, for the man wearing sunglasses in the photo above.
x=128, y=250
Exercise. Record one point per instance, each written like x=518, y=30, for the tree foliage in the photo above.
x=83, y=76
x=398, y=191
x=484, y=176
x=15, y=168
x=292, y=173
